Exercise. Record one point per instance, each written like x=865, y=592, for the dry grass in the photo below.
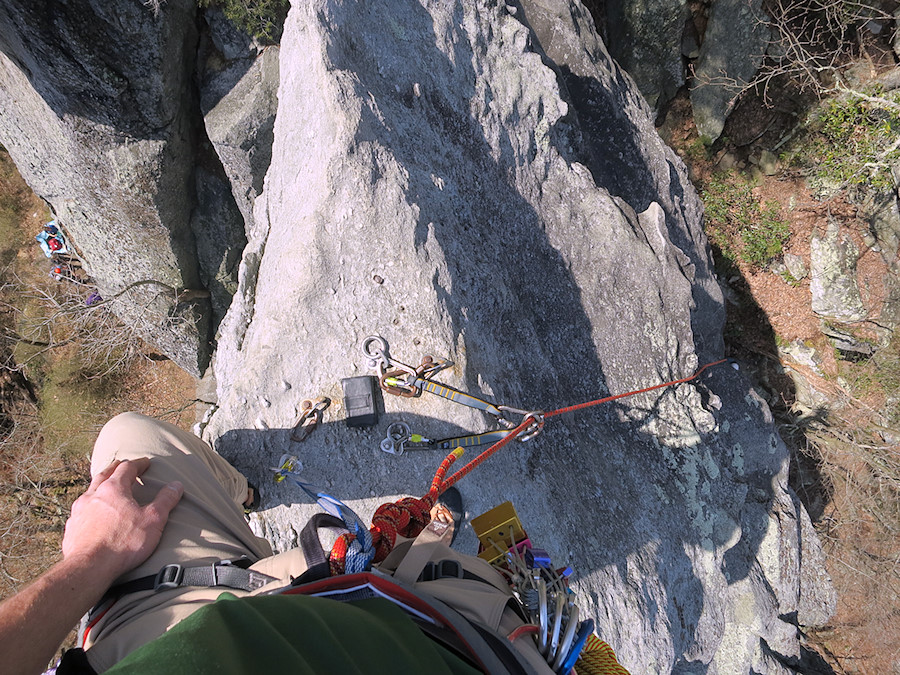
x=858, y=456
x=65, y=369
x=37, y=489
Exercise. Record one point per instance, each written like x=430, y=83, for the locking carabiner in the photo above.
x=310, y=416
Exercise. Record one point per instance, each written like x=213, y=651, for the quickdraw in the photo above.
x=399, y=438
x=400, y=379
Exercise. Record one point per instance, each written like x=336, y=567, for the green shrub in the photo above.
x=851, y=142
x=736, y=224
x=263, y=19
x=764, y=239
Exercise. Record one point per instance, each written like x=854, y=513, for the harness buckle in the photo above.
x=443, y=569
x=168, y=577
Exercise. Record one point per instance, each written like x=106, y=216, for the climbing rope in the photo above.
x=406, y=517
x=409, y=516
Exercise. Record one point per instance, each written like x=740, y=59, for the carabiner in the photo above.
x=287, y=464
x=535, y=427
x=310, y=416
x=391, y=382
x=377, y=357
x=533, y=430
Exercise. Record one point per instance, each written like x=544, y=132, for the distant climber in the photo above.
x=52, y=240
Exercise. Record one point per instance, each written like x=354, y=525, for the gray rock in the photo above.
x=733, y=47
x=98, y=117
x=890, y=308
x=727, y=161
x=690, y=41
x=238, y=96
x=645, y=38
x=501, y=176
x=795, y=266
x=219, y=231
x=768, y=162
x=806, y=395
x=883, y=215
x=845, y=341
x=804, y=355
x=835, y=292
x=895, y=43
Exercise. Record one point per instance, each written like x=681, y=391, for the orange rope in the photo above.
x=406, y=517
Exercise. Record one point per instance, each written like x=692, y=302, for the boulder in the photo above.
x=98, y=117
x=733, y=48
x=238, y=98
x=835, y=292
x=482, y=182
x=647, y=40
x=882, y=212
x=795, y=266
x=895, y=42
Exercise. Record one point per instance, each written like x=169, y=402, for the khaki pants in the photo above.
x=206, y=526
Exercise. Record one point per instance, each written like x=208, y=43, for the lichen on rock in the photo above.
x=835, y=292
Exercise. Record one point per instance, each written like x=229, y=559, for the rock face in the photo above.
x=835, y=292
x=238, y=85
x=97, y=116
x=482, y=182
x=733, y=48
x=477, y=181
x=647, y=40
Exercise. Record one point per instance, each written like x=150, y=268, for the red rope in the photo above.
x=528, y=421
x=581, y=406
x=406, y=517
x=409, y=516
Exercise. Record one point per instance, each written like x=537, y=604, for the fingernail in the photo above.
x=176, y=485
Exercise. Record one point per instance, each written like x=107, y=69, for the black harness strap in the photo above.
x=224, y=573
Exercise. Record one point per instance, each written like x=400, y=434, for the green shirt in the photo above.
x=294, y=634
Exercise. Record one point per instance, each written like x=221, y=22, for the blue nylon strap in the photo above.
x=360, y=552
